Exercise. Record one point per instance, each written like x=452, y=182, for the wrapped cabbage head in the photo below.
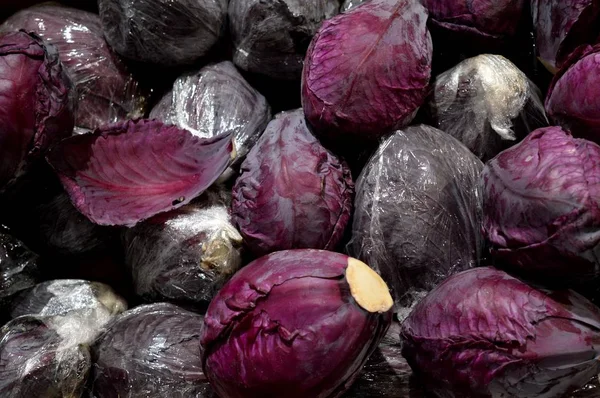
x=40, y=358
x=106, y=92
x=186, y=255
x=292, y=193
x=541, y=211
x=487, y=103
x=560, y=26
x=417, y=216
x=271, y=37
x=367, y=72
x=44, y=350
x=215, y=101
x=479, y=19
x=163, y=32
x=572, y=101
x=151, y=351
x=36, y=102
x=484, y=333
x=296, y=323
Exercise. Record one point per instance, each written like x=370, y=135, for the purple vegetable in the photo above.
x=214, y=101
x=185, y=255
x=366, y=72
x=106, y=92
x=417, y=216
x=36, y=105
x=271, y=37
x=151, y=351
x=572, y=101
x=292, y=193
x=44, y=352
x=484, y=333
x=127, y=172
x=541, y=211
x=38, y=360
x=297, y=323
x=163, y=32
x=560, y=26
x=478, y=18
x=487, y=103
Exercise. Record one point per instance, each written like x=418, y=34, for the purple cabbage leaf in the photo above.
x=127, y=172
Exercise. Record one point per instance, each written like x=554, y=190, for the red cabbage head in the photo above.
x=477, y=18
x=560, y=26
x=292, y=193
x=484, y=333
x=572, y=101
x=366, y=71
x=296, y=323
x=541, y=205
x=36, y=102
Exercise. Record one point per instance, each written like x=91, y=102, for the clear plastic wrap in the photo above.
x=350, y=4
x=417, y=213
x=271, y=37
x=65, y=231
x=40, y=357
x=18, y=267
x=91, y=303
x=214, y=101
x=590, y=390
x=151, y=351
x=186, y=255
x=387, y=374
x=44, y=350
x=163, y=32
x=106, y=91
x=487, y=103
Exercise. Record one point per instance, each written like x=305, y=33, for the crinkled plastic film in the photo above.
x=213, y=101
x=44, y=350
x=40, y=357
x=89, y=304
x=18, y=267
x=487, y=103
x=387, y=374
x=163, y=32
x=350, y=4
x=418, y=212
x=185, y=255
x=590, y=390
x=151, y=351
x=271, y=37
x=106, y=91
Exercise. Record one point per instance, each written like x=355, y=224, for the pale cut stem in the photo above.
x=367, y=287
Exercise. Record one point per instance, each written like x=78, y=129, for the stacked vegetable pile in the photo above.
x=283, y=198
